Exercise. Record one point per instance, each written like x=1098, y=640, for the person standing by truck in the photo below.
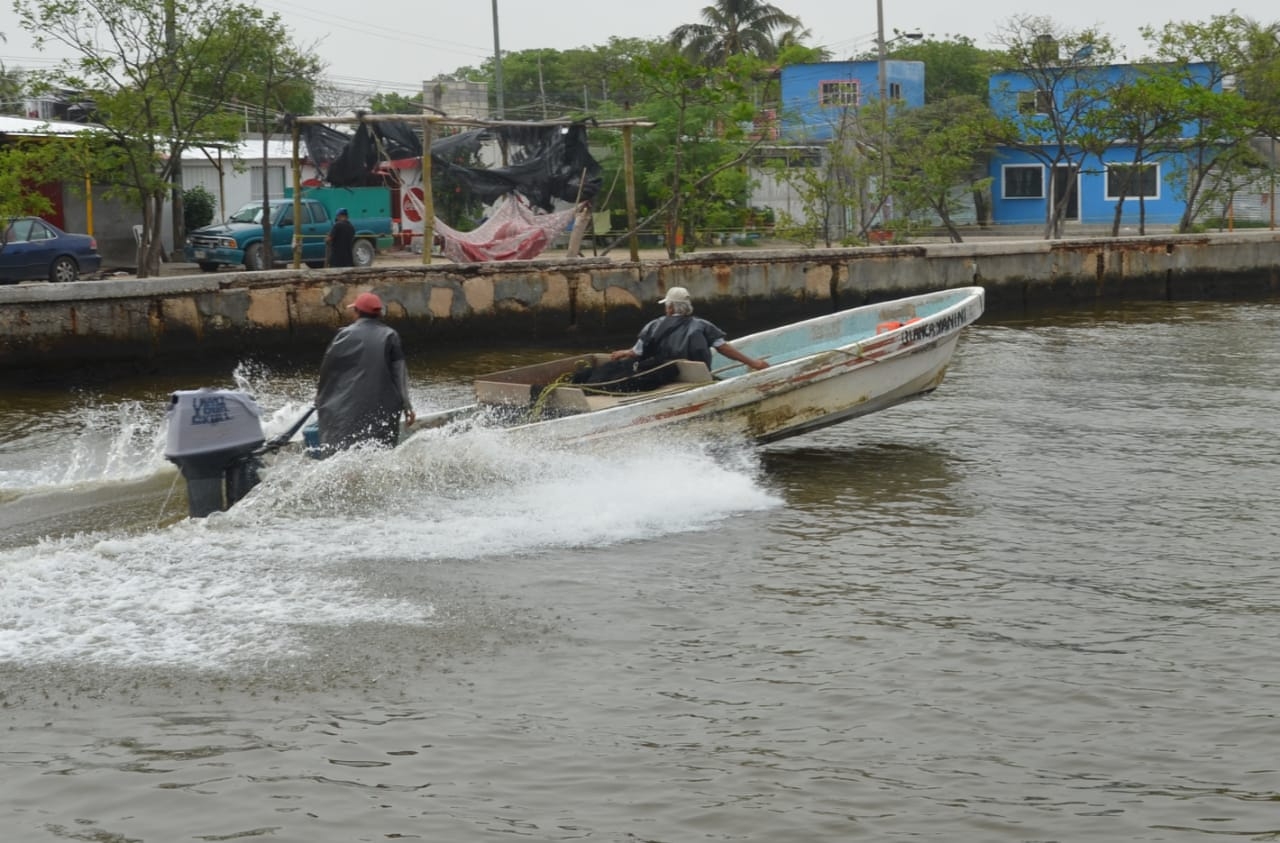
x=364, y=384
x=342, y=240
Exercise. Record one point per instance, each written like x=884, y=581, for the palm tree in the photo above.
x=730, y=28
x=793, y=38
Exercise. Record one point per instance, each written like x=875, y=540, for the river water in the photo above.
x=1038, y=605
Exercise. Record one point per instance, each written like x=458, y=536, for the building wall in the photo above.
x=805, y=117
x=234, y=175
x=1004, y=87
x=457, y=99
x=112, y=224
x=1094, y=207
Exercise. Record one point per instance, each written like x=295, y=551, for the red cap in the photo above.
x=368, y=304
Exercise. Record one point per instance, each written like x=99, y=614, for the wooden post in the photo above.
x=581, y=219
x=88, y=209
x=628, y=165
x=428, y=201
x=297, y=202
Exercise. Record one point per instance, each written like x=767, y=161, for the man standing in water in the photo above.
x=364, y=384
x=342, y=240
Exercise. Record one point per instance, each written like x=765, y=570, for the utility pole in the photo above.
x=179, y=225
x=497, y=60
x=886, y=203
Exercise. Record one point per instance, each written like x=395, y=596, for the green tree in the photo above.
x=151, y=68
x=733, y=28
x=829, y=175
x=1145, y=110
x=939, y=153
x=280, y=75
x=556, y=82
x=539, y=84
x=23, y=164
x=1258, y=75
x=954, y=66
x=1062, y=69
x=1218, y=157
x=699, y=114
x=789, y=47
x=393, y=103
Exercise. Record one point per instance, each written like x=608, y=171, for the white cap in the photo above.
x=675, y=294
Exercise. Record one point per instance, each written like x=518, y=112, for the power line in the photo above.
x=390, y=33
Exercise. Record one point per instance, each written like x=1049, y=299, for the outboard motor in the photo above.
x=214, y=438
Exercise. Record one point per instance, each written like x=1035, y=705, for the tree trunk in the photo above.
x=981, y=207
x=945, y=216
x=673, y=223
x=152, y=242
x=1051, y=208
x=1115, y=222
x=179, y=224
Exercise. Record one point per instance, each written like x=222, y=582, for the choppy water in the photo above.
x=1038, y=605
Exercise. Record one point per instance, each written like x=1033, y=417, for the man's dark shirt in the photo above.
x=342, y=240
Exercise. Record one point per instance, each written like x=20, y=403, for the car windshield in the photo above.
x=249, y=213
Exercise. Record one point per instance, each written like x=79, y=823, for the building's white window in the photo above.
x=1133, y=180
x=838, y=92
x=276, y=177
x=1035, y=102
x=1024, y=181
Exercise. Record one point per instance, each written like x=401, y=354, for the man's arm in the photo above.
x=733, y=354
x=400, y=376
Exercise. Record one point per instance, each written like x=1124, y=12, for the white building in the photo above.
x=234, y=175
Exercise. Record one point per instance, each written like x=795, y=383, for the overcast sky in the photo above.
x=393, y=46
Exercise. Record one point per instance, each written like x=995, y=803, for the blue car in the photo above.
x=32, y=249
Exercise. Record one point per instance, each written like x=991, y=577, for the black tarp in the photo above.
x=545, y=162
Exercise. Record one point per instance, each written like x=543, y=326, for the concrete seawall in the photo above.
x=45, y=329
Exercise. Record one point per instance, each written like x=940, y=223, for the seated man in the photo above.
x=679, y=335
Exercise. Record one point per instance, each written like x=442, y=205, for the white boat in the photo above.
x=821, y=372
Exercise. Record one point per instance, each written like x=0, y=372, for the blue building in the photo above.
x=1022, y=183
x=816, y=98
x=819, y=105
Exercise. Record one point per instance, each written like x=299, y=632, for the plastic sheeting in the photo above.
x=547, y=166
x=512, y=232
x=546, y=163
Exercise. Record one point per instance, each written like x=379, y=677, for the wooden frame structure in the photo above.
x=427, y=122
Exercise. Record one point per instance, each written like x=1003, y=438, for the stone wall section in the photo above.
x=598, y=300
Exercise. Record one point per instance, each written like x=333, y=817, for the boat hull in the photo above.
x=823, y=372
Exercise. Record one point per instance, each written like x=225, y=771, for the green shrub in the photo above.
x=197, y=207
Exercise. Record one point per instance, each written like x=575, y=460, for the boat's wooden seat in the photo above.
x=514, y=387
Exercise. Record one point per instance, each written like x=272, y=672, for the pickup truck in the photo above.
x=239, y=240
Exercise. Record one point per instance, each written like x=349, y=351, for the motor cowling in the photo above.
x=214, y=437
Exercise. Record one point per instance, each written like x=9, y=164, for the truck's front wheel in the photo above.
x=253, y=258
x=362, y=253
